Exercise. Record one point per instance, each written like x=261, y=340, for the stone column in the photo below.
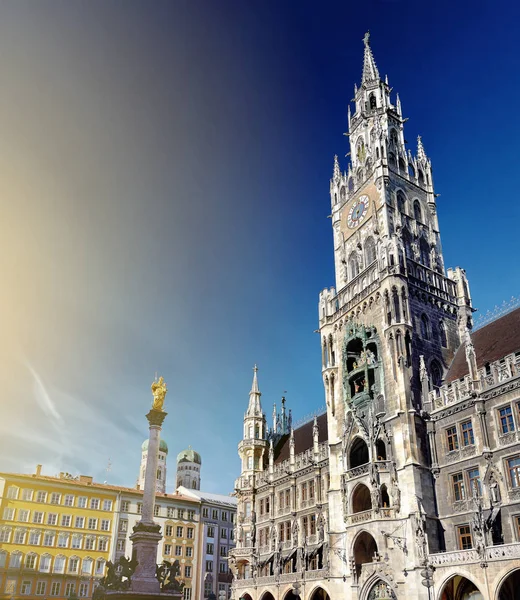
x=147, y=534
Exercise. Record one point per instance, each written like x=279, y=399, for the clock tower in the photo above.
x=388, y=329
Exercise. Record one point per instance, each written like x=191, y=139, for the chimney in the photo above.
x=38, y=470
x=85, y=479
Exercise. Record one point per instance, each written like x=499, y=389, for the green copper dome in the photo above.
x=163, y=446
x=189, y=455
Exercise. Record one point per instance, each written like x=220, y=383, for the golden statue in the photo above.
x=159, y=390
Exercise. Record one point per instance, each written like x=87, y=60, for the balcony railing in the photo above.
x=498, y=372
x=472, y=556
x=282, y=578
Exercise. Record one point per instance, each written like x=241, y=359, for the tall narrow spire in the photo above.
x=421, y=154
x=336, y=175
x=254, y=409
x=370, y=72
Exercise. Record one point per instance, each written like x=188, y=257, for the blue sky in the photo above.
x=164, y=190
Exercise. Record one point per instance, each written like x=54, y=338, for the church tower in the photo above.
x=388, y=330
x=189, y=464
x=252, y=452
x=160, y=482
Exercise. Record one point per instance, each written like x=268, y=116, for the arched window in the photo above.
x=370, y=251
x=391, y=159
x=372, y=101
x=393, y=137
x=358, y=453
x=425, y=327
x=424, y=249
x=350, y=184
x=421, y=179
x=396, y=305
x=353, y=265
x=442, y=334
x=343, y=193
x=436, y=373
x=411, y=170
x=402, y=165
x=417, y=211
x=377, y=153
x=335, y=198
x=360, y=151
x=401, y=202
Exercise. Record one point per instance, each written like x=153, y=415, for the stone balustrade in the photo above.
x=357, y=471
x=472, y=556
x=282, y=578
x=497, y=372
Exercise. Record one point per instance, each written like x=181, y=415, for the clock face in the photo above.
x=358, y=211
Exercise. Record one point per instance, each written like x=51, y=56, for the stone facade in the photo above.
x=385, y=521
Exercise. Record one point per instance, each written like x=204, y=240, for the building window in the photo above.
x=167, y=549
x=25, y=588
x=69, y=500
x=90, y=543
x=156, y=510
x=45, y=563
x=63, y=540
x=30, y=561
x=5, y=534
x=23, y=516
x=52, y=519
x=83, y=590
x=125, y=506
x=48, y=539
x=223, y=534
x=92, y=523
x=41, y=497
x=73, y=565
x=475, y=486
x=513, y=466
x=180, y=513
x=123, y=525
x=205, y=512
x=19, y=536
x=452, y=439
x=186, y=592
x=100, y=566
x=80, y=522
x=211, y=531
x=189, y=551
x=506, y=420
x=82, y=502
x=10, y=586
x=209, y=566
x=15, y=560
x=189, y=533
x=425, y=327
x=55, y=588
x=66, y=520
x=517, y=528
x=139, y=508
x=208, y=589
x=94, y=503
x=187, y=571
x=223, y=551
x=55, y=498
x=86, y=566
x=209, y=548
x=458, y=487
x=34, y=538
x=105, y=525
x=180, y=532
x=76, y=542
x=27, y=494
x=224, y=515
x=467, y=434
x=107, y=504
x=121, y=545
x=222, y=567
x=214, y=513
x=69, y=588
x=170, y=512
x=9, y=514
x=178, y=550
x=464, y=535
x=12, y=492
x=37, y=517
x=102, y=544
x=40, y=588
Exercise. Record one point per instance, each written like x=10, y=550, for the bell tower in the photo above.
x=388, y=329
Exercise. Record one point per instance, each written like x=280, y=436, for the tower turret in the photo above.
x=189, y=464
x=251, y=449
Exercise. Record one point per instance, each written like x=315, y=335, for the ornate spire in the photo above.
x=398, y=106
x=336, y=173
x=370, y=72
x=421, y=154
x=254, y=409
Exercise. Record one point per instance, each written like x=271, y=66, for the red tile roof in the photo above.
x=302, y=439
x=492, y=342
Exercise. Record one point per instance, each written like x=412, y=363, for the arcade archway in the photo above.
x=510, y=586
x=365, y=551
x=460, y=588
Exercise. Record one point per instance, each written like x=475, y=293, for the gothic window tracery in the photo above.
x=436, y=373
x=353, y=263
x=411, y=170
x=417, y=213
x=425, y=327
x=361, y=365
x=401, y=202
x=424, y=249
x=350, y=184
x=421, y=179
x=442, y=334
x=372, y=101
x=370, y=251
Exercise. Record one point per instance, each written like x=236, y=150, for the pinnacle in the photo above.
x=254, y=387
x=370, y=72
x=421, y=154
x=337, y=173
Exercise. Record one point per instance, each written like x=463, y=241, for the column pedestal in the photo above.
x=145, y=540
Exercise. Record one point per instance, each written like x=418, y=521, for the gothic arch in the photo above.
x=376, y=587
x=508, y=584
x=360, y=500
x=319, y=593
x=290, y=595
x=401, y=201
x=370, y=251
x=267, y=595
x=358, y=453
x=459, y=587
x=417, y=212
x=364, y=549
